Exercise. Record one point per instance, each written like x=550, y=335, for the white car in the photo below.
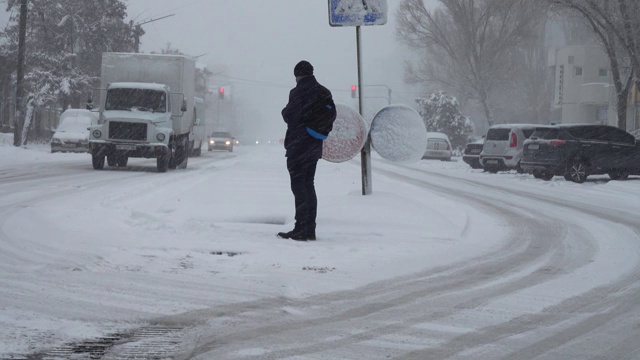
x=635, y=133
x=438, y=147
x=72, y=133
x=503, y=146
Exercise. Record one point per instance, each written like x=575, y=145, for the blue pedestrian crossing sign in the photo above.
x=357, y=12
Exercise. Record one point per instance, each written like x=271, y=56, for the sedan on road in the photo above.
x=220, y=140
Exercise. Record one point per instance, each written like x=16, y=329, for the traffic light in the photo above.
x=221, y=93
x=353, y=91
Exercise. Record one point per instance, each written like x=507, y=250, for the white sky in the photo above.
x=262, y=41
x=116, y=249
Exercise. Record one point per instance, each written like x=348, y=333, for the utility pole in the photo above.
x=18, y=121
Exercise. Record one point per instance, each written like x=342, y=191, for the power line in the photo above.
x=180, y=7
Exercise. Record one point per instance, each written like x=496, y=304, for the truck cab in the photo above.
x=143, y=110
x=135, y=121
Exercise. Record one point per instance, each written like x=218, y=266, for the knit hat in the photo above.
x=303, y=68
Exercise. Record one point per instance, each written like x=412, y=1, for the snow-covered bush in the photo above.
x=440, y=113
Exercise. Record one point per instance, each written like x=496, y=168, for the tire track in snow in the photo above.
x=534, y=240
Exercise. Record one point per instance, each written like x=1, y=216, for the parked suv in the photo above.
x=576, y=151
x=502, y=148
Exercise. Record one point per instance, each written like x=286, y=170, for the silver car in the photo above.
x=503, y=146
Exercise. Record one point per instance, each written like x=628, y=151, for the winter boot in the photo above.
x=293, y=235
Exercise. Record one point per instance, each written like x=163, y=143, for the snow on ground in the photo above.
x=86, y=254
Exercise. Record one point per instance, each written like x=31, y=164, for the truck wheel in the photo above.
x=163, y=162
x=97, y=161
x=112, y=160
x=185, y=161
x=122, y=160
x=182, y=153
x=173, y=156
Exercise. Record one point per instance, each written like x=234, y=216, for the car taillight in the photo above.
x=557, y=142
x=514, y=140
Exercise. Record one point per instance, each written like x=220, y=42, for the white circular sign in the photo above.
x=398, y=134
x=347, y=137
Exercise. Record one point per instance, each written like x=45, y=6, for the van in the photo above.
x=503, y=146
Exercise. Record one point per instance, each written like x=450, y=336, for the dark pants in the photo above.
x=302, y=173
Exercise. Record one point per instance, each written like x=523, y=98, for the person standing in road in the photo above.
x=303, y=147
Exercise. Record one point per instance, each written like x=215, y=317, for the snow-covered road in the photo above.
x=440, y=262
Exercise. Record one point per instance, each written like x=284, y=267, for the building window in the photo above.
x=603, y=115
x=577, y=71
x=603, y=72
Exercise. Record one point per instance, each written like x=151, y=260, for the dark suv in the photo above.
x=576, y=151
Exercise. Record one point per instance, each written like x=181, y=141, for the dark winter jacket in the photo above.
x=298, y=143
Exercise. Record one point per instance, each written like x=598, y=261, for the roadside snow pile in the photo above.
x=6, y=139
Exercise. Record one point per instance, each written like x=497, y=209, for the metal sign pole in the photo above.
x=365, y=154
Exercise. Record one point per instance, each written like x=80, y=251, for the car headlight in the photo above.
x=160, y=136
x=211, y=142
x=96, y=133
x=228, y=142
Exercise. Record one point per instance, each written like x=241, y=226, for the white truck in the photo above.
x=147, y=110
x=198, y=135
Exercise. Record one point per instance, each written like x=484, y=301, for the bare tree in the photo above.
x=612, y=23
x=19, y=121
x=468, y=42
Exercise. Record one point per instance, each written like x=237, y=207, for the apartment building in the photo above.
x=582, y=87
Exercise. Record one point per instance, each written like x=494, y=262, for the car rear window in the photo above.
x=621, y=136
x=498, y=134
x=528, y=132
x=546, y=134
x=585, y=132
